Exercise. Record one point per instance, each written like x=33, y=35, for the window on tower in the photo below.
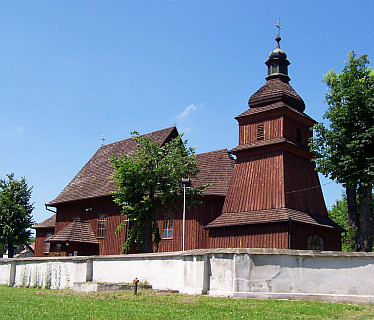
x=298, y=135
x=260, y=132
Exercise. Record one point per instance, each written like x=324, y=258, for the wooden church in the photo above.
x=268, y=196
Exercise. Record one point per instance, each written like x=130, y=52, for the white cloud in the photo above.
x=187, y=111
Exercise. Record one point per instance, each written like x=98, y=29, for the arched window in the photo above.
x=315, y=243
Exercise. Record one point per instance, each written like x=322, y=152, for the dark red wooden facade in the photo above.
x=271, y=198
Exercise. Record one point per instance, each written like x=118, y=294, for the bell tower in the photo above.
x=274, y=181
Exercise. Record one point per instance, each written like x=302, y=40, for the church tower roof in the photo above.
x=277, y=88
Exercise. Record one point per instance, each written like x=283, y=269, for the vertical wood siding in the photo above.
x=196, y=218
x=112, y=242
x=302, y=187
x=301, y=232
x=40, y=236
x=273, y=128
x=272, y=235
x=289, y=131
x=256, y=183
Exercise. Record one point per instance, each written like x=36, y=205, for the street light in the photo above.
x=186, y=183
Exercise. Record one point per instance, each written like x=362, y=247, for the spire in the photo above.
x=278, y=63
x=277, y=87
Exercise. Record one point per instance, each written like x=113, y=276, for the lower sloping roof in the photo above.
x=47, y=223
x=77, y=231
x=231, y=219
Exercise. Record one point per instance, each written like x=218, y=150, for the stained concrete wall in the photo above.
x=260, y=273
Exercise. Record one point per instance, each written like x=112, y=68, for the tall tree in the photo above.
x=15, y=212
x=339, y=214
x=344, y=151
x=148, y=180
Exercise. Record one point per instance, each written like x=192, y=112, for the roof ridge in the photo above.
x=144, y=134
x=219, y=150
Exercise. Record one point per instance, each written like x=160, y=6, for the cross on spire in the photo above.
x=278, y=27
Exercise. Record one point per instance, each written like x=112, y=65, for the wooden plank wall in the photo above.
x=41, y=235
x=256, y=183
x=273, y=128
x=290, y=128
x=300, y=176
x=274, y=235
x=196, y=218
x=111, y=244
x=301, y=232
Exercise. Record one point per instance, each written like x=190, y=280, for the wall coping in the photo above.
x=201, y=252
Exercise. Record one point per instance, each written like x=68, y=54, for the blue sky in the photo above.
x=72, y=71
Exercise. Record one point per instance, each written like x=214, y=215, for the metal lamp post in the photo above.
x=186, y=183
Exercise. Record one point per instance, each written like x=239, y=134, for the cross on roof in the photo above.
x=103, y=139
x=278, y=26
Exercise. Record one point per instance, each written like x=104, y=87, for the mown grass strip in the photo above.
x=27, y=303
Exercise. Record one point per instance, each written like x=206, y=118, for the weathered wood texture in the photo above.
x=111, y=243
x=274, y=235
x=301, y=232
x=273, y=128
x=302, y=188
x=196, y=218
x=41, y=235
x=257, y=183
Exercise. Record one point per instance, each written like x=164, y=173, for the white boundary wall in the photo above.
x=257, y=273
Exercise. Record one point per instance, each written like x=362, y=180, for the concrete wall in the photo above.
x=260, y=273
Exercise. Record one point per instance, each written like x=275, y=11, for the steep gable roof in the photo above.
x=92, y=180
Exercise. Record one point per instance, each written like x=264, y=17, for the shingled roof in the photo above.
x=215, y=169
x=231, y=219
x=276, y=90
x=272, y=106
x=77, y=231
x=47, y=223
x=92, y=180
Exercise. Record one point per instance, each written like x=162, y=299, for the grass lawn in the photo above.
x=27, y=303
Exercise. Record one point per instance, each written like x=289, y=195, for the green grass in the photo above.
x=27, y=303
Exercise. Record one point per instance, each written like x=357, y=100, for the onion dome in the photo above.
x=277, y=88
x=278, y=63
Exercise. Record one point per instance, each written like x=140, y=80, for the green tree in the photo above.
x=15, y=212
x=339, y=214
x=148, y=180
x=344, y=151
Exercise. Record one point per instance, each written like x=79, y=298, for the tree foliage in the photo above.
x=148, y=180
x=15, y=212
x=339, y=214
x=344, y=151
